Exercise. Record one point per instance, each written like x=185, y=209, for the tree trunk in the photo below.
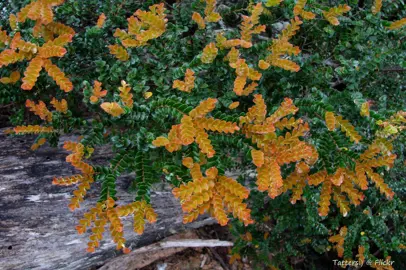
x=37, y=230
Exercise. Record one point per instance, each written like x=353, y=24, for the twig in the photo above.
x=213, y=252
x=203, y=261
x=393, y=70
x=195, y=243
x=184, y=243
x=7, y=105
x=218, y=258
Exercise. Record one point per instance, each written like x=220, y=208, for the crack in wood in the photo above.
x=37, y=230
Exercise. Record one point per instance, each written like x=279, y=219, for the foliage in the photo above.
x=307, y=95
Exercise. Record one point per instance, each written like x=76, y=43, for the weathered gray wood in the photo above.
x=146, y=255
x=37, y=230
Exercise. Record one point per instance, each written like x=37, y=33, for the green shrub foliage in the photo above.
x=304, y=99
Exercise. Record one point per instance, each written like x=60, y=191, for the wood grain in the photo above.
x=36, y=227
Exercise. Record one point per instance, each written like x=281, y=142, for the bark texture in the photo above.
x=37, y=230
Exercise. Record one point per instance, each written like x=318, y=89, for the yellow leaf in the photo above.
x=233, y=105
x=257, y=157
x=112, y=108
x=307, y=15
x=209, y=53
x=325, y=196
x=160, y=141
x=147, y=95
x=365, y=109
x=125, y=95
x=285, y=64
x=197, y=18
x=188, y=84
x=273, y=3
x=376, y=7
x=101, y=20
x=187, y=162
x=332, y=14
x=239, y=84
x=263, y=64
x=32, y=129
x=60, y=106
x=32, y=73
x=14, y=77
x=291, y=29
x=187, y=130
x=119, y=52
x=211, y=15
x=349, y=129
x=13, y=21
x=361, y=254
x=203, y=108
x=97, y=92
x=330, y=120
x=59, y=77
x=397, y=24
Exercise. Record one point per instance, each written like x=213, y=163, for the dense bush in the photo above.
x=180, y=88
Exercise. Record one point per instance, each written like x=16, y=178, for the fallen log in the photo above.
x=37, y=230
x=167, y=247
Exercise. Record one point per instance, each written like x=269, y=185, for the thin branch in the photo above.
x=184, y=243
x=194, y=243
x=218, y=258
x=7, y=105
x=393, y=70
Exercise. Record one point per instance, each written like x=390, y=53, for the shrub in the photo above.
x=304, y=99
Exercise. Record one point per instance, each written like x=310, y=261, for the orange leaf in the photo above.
x=31, y=74
x=101, y=20
x=51, y=51
x=59, y=77
x=14, y=77
x=112, y=108
x=233, y=105
x=60, y=106
x=187, y=162
x=197, y=18
x=397, y=24
x=257, y=157
x=209, y=53
x=97, y=92
x=119, y=52
x=285, y=64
